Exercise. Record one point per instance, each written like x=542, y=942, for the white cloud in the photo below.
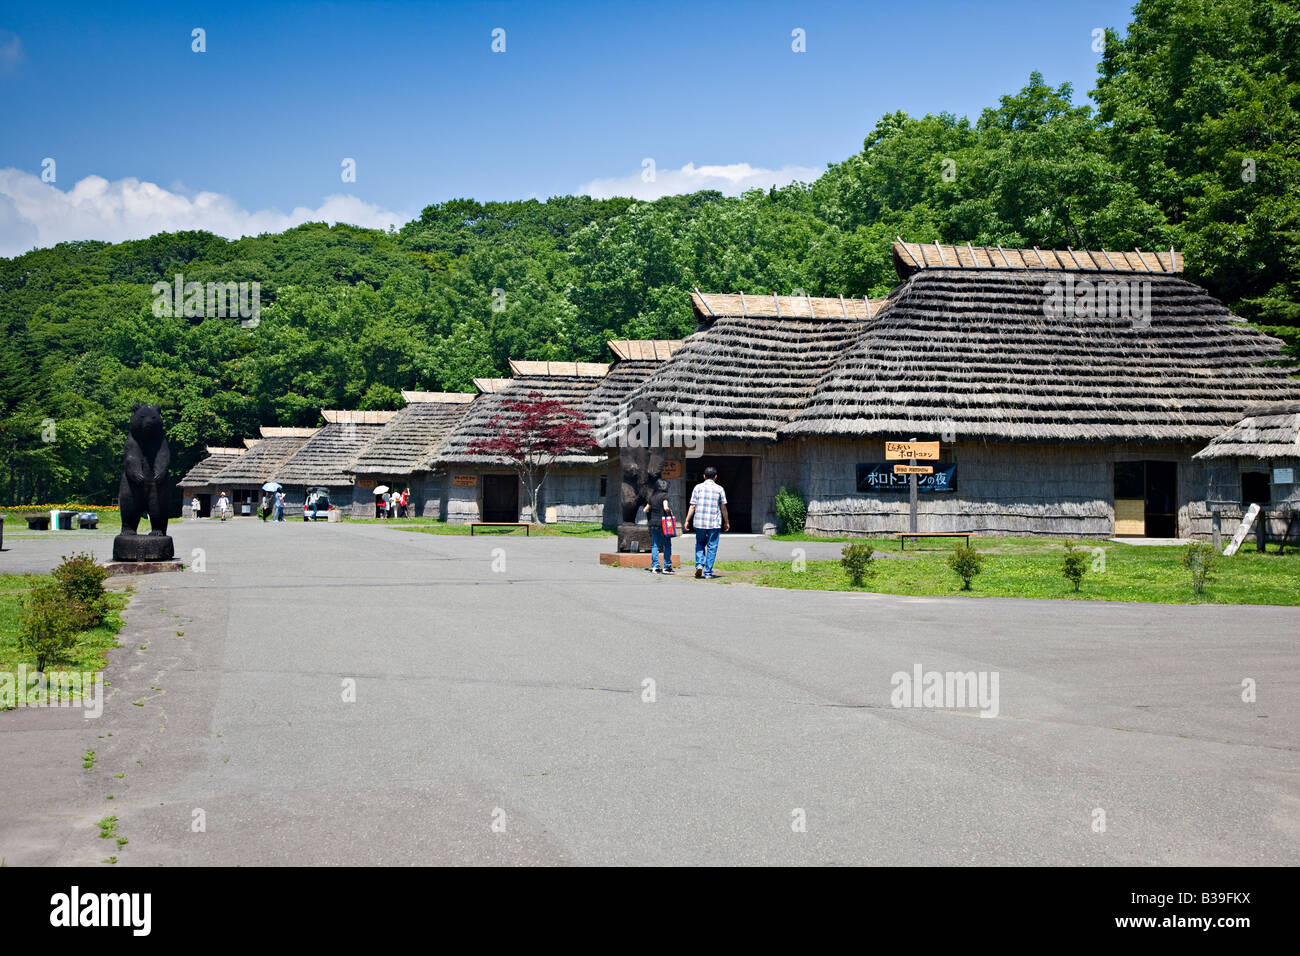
x=37, y=214
x=12, y=53
x=731, y=180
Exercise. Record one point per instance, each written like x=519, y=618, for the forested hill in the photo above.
x=1193, y=141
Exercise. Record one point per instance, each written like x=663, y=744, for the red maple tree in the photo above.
x=530, y=434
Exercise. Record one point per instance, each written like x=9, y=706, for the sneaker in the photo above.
x=653, y=570
x=699, y=572
x=708, y=576
x=669, y=570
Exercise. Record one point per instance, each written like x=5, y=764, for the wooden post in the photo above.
x=1216, y=521
x=911, y=503
x=1261, y=532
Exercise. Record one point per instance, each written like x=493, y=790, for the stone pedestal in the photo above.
x=634, y=538
x=143, y=567
x=143, y=547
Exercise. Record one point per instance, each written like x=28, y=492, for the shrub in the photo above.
x=791, y=510
x=1075, y=565
x=81, y=580
x=1199, y=560
x=966, y=561
x=46, y=627
x=857, y=562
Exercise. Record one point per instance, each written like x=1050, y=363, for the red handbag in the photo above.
x=668, y=524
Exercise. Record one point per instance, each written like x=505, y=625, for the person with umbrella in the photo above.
x=380, y=501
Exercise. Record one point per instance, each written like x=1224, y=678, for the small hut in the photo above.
x=401, y=455
x=486, y=488
x=1256, y=461
x=199, y=481
x=243, y=478
x=324, y=462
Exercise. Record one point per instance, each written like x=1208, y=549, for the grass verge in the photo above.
x=432, y=526
x=92, y=645
x=1032, y=568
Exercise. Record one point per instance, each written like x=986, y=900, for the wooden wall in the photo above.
x=1002, y=488
x=1223, y=494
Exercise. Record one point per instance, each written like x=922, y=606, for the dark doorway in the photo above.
x=735, y=475
x=500, y=498
x=1255, y=488
x=1146, y=498
x=205, y=505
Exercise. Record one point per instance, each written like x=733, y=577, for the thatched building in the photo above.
x=1256, y=461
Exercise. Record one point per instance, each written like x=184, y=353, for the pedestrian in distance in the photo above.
x=404, y=503
x=279, y=506
x=264, y=509
x=663, y=525
x=195, y=508
x=708, y=513
x=223, y=506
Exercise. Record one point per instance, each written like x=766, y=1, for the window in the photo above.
x=1254, y=488
x=604, y=485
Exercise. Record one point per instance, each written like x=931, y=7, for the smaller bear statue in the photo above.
x=144, y=489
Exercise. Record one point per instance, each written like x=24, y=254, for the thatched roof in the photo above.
x=250, y=442
x=570, y=389
x=747, y=376
x=488, y=385
x=407, y=443
x=283, y=431
x=332, y=415
x=411, y=396
x=206, y=471
x=521, y=367
x=1267, y=432
x=973, y=352
x=912, y=257
x=709, y=306
x=637, y=360
x=326, y=458
x=650, y=350
x=259, y=464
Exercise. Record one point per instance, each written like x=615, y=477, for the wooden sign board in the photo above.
x=365, y=482
x=464, y=481
x=911, y=450
x=672, y=469
x=914, y=469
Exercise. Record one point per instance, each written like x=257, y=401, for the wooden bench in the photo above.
x=902, y=536
x=500, y=524
x=38, y=522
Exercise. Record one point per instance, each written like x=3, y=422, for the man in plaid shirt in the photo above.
x=708, y=512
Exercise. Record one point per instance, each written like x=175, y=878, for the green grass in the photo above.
x=92, y=645
x=1032, y=568
x=16, y=523
x=432, y=526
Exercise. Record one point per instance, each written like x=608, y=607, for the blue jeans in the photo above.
x=660, y=542
x=706, y=547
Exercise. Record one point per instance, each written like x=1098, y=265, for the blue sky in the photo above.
x=239, y=137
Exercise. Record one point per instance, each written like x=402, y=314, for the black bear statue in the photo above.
x=144, y=489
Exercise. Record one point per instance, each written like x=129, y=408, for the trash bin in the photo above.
x=62, y=520
x=88, y=519
x=2, y=532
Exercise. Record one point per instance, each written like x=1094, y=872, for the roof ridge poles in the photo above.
x=973, y=261
x=942, y=260
x=844, y=308
x=1109, y=261
x=1070, y=250
x=1092, y=259
x=1041, y=260
x=812, y=312
x=712, y=314
x=1138, y=250
x=910, y=255
x=1173, y=263
x=744, y=309
x=777, y=300
x=868, y=302
x=1005, y=260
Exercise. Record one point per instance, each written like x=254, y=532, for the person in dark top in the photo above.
x=660, y=544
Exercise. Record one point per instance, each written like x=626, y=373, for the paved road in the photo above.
x=514, y=692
